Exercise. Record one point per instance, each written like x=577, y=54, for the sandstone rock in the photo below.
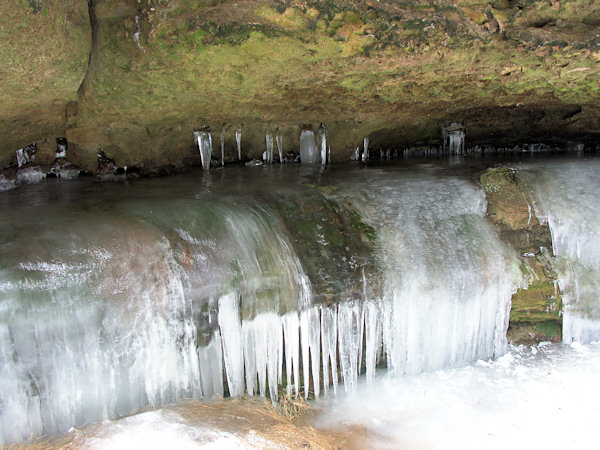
x=536, y=310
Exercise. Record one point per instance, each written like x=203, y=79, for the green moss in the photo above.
x=497, y=180
x=343, y=19
x=551, y=329
x=538, y=303
x=358, y=224
x=355, y=82
x=291, y=18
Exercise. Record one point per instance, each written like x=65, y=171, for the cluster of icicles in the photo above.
x=254, y=350
x=312, y=151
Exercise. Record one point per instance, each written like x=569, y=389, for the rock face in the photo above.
x=133, y=78
x=536, y=310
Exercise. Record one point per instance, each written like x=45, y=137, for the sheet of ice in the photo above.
x=540, y=397
x=567, y=197
x=91, y=331
x=448, y=278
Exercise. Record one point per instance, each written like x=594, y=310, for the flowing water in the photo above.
x=116, y=297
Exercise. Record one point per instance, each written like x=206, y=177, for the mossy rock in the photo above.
x=510, y=207
x=333, y=244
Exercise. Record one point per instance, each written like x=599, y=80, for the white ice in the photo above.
x=540, y=397
x=567, y=198
x=308, y=147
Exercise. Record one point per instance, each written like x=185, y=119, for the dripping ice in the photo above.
x=568, y=200
x=323, y=143
x=268, y=156
x=308, y=147
x=311, y=348
x=204, y=140
x=238, y=142
x=279, y=140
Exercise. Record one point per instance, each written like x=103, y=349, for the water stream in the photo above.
x=115, y=297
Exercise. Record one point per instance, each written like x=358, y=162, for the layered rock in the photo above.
x=536, y=309
x=133, y=78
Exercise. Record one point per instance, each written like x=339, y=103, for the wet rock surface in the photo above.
x=536, y=309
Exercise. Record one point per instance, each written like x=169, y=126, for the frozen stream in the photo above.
x=116, y=297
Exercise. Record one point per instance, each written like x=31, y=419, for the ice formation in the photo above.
x=454, y=139
x=30, y=175
x=567, y=199
x=323, y=143
x=202, y=297
x=279, y=140
x=308, y=147
x=365, y=155
x=204, y=140
x=269, y=151
x=238, y=141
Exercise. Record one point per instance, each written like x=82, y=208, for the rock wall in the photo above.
x=133, y=78
x=536, y=309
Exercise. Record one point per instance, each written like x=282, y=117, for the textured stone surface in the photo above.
x=536, y=309
x=514, y=71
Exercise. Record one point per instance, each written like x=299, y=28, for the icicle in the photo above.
x=211, y=367
x=279, y=139
x=238, y=141
x=356, y=155
x=204, y=140
x=365, y=155
x=249, y=351
x=329, y=347
x=310, y=337
x=223, y=146
x=350, y=341
x=231, y=335
x=372, y=322
x=308, y=147
x=323, y=143
x=291, y=333
x=454, y=139
x=263, y=352
x=269, y=139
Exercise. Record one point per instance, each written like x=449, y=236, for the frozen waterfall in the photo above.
x=173, y=292
x=568, y=200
